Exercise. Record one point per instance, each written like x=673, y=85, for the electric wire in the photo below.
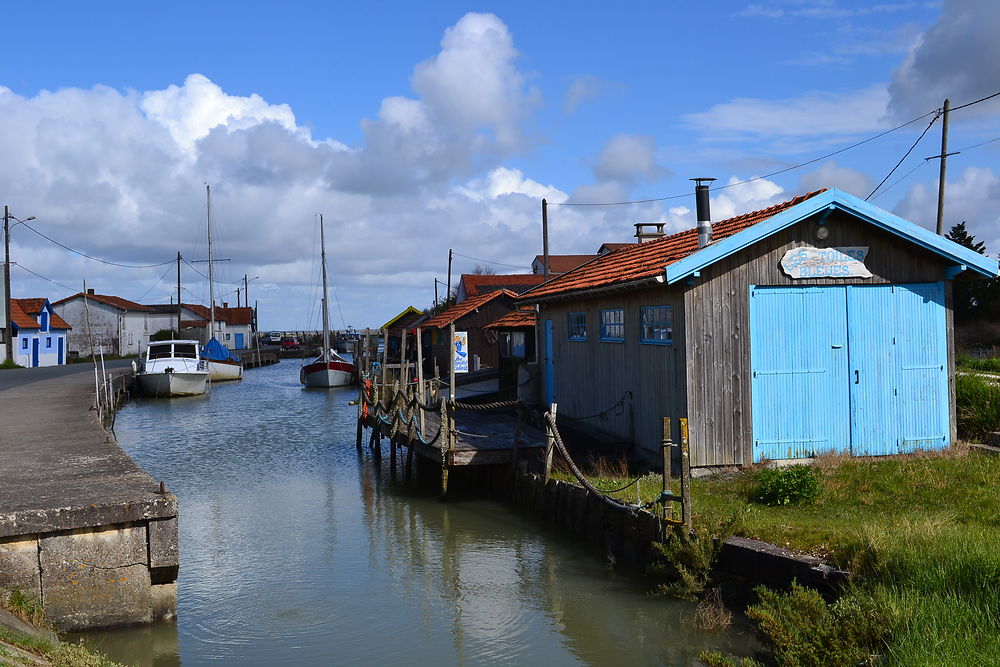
x=38, y=275
x=757, y=178
x=96, y=259
x=486, y=261
x=981, y=99
x=905, y=155
x=155, y=285
x=900, y=179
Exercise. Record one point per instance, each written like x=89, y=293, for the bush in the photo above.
x=977, y=406
x=684, y=562
x=800, y=628
x=796, y=484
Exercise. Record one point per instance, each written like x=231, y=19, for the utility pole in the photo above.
x=9, y=337
x=435, y=292
x=448, y=294
x=944, y=165
x=238, y=297
x=178, y=293
x=246, y=293
x=545, y=237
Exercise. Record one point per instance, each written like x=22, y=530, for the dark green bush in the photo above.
x=684, y=563
x=800, y=628
x=977, y=406
x=793, y=485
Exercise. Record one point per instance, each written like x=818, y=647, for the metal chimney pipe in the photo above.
x=704, y=214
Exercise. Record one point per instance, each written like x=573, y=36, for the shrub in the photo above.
x=800, y=628
x=684, y=562
x=796, y=484
x=977, y=406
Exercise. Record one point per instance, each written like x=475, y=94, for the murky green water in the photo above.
x=296, y=551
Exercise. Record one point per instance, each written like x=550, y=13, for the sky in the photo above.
x=415, y=128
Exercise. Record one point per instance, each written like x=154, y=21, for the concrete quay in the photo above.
x=83, y=528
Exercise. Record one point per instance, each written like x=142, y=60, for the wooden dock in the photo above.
x=254, y=357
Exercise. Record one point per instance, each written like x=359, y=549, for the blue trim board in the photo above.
x=828, y=201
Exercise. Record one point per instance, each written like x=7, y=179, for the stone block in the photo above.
x=163, y=551
x=164, y=599
x=19, y=566
x=96, y=577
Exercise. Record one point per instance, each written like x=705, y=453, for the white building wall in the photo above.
x=117, y=331
x=48, y=348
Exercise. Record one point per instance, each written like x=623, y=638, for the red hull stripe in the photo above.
x=329, y=365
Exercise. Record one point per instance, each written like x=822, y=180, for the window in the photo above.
x=24, y=343
x=613, y=325
x=657, y=324
x=228, y=336
x=45, y=321
x=48, y=341
x=576, y=326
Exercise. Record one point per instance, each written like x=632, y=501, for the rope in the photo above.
x=627, y=486
x=618, y=408
x=486, y=406
x=611, y=502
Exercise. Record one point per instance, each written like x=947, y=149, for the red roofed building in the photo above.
x=516, y=347
x=39, y=333
x=789, y=332
x=558, y=264
x=116, y=325
x=472, y=316
x=475, y=284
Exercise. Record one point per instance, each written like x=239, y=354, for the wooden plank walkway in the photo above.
x=482, y=438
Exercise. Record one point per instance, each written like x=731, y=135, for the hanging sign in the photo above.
x=460, y=351
x=810, y=262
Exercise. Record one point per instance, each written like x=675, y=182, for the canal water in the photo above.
x=296, y=551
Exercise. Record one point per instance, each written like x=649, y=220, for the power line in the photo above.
x=38, y=275
x=155, y=285
x=981, y=99
x=981, y=143
x=900, y=179
x=905, y=155
x=486, y=261
x=757, y=178
x=96, y=259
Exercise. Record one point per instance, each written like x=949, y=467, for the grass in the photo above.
x=978, y=406
x=988, y=365
x=58, y=654
x=7, y=365
x=919, y=532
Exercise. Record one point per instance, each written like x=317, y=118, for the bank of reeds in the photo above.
x=978, y=405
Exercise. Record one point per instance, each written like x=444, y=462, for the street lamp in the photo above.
x=6, y=278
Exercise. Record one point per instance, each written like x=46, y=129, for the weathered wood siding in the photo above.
x=481, y=342
x=591, y=376
x=717, y=325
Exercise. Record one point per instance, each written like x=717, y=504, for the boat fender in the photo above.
x=135, y=367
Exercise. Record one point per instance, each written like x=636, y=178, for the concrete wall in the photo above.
x=119, y=332
x=96, y=577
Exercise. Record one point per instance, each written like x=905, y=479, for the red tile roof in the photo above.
x=441, y=320
x=477, y=284
x=522, y=317
x=23, y=312
x=611, y=247
x=235, y=316
x=647, y=260
x=113, y=301
x=564, y=263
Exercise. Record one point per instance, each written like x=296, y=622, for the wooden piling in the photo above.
x=550, y=442
x=447, y=446
x=685, y=475
x=665, y=447
x=420, y=377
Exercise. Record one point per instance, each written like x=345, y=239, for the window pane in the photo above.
x=657, y=324
x=613, y=324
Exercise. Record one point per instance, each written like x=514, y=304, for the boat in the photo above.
x=223, y=365
x=329, y=369
x=171, y=368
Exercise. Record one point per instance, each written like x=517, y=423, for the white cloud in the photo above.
x=628, y=158
x=506, y=181
x=974, y=197
x=587, y=88
x=832, y=175
x=816, y=113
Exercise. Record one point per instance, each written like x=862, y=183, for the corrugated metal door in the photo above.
x=921, y=367
x=848, y=368
x=798, y=360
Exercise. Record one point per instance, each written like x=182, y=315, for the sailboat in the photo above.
x=222, y=364
x=329, y=369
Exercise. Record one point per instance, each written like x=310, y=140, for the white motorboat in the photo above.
x=329, y=369
x=172, y=368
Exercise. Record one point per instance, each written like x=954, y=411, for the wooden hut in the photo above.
x=820, y=325
x=471, y=315
x=394, y=328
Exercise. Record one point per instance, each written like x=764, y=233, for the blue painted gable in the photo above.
x=962, y=258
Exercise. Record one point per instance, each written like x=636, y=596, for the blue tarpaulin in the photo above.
x=216, y=351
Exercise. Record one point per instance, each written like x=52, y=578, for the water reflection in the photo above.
x=295, y=550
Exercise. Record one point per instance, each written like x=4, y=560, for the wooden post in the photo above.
x=403, y=375
x=392, y=453
x=517, y=445
x=451, y=362
x=420, y=378
x=685, y=475
x=665, y=446
x=447, y=445
x=385, y=355
x=550, y=442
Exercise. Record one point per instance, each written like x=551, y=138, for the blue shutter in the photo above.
x=873, y=325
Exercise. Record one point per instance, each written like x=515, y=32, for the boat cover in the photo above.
x=216, y=351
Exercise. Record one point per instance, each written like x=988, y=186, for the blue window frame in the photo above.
x=657, y=324
x=24, y=343
x=48, y=341
x=613, y=325
x=576, y=326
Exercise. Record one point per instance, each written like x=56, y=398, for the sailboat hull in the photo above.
x=223, y=371
x=327, y=374
x=177, y=383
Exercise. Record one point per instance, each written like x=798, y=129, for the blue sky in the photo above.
x=419, y=128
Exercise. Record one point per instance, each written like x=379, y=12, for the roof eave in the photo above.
x=651, y=281
x=830, y=200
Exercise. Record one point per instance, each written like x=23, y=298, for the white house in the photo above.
x=40, y=334
x=120, y=326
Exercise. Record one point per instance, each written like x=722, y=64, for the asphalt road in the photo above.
x=18, y=377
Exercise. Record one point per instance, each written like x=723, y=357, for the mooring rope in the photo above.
x=607, y=500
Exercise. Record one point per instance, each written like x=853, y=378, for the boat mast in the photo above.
x=326, y=310
x=211, y=282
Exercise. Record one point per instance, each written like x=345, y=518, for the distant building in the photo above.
x=471, y=315
x=117, y=325
x=40, y=334
x=477, y=284
x=558, y=264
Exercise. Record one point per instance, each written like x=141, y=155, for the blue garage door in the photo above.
x=858, y=369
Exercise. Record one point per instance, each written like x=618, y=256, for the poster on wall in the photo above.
x=810, y=262
x=460, y=351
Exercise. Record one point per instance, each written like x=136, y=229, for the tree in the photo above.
x=960, y=235
x=974, y=297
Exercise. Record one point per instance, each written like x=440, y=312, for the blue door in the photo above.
x=239, y=341
x=34, y=353
x=798, y=359
x=860, y=368
x=550, y=383
x=61, y=341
